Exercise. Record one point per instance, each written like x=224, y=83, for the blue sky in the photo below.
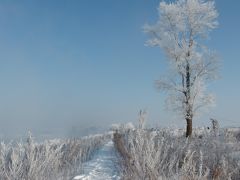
x=84, y=63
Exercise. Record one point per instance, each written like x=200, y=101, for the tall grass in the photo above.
x=55, y=159
x=164, y=154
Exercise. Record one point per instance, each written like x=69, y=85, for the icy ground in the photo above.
x=102, y=166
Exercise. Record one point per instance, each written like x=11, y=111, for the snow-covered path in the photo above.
x=102, y=166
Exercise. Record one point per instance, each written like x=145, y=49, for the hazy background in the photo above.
x=78, y=66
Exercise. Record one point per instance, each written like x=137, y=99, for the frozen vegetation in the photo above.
x=136, y=154
x=52, y=159
x=167, y=154
x=181, y=31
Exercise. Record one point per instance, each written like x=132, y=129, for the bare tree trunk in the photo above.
x=188, y=97
x=189, y=127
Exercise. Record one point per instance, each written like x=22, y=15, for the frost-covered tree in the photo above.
x=180, y=31
x=142, y=119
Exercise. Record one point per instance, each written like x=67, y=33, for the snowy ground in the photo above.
x=102, y=166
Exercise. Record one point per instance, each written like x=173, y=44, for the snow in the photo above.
x=102, y=166
x=78, y=177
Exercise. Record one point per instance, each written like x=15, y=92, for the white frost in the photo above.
x=102, y=166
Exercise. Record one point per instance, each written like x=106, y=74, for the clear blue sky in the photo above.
x=84, y=63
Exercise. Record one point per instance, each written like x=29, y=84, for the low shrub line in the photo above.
x=52, y=159
x=158, y=155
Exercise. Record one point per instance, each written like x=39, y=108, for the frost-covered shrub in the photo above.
x=129, y=126
x=232, y=134
x=122, y=127
x=160, y=155
x=55, y=159
x=238, y=136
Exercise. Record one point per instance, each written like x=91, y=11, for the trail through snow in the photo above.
x=103, y=165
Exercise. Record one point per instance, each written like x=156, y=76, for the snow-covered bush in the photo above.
x=55, y=159
x=115, y=127
x=129, y=126
x=122, y=127
x=157, y=155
